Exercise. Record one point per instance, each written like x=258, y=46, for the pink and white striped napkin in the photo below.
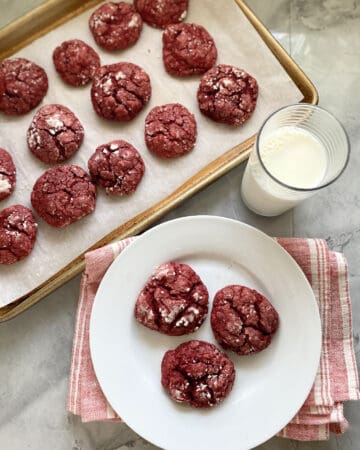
x=336, y=380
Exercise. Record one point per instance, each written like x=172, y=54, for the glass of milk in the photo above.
x=299, y=149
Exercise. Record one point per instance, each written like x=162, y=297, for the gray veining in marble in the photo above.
x=35, y=348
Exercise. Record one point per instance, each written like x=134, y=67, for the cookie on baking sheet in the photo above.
x=115, y=26
x=160, y=13
x=55, y=134
x=170, y=130
x=117, y=166
x=7, y=174
x=63, y=195
x=120, y=91
x=243, y=320
x=174, y=301
x=76, y=62
x=23, y=84
x=227, y=94
x=197, y=373
x=17, y=233
x=188, y=49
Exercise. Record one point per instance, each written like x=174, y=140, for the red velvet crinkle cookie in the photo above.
x=160, y=13
x=174, y=301
x=76, y=62
x=63, y=195
x=23, y=84
x=243, y=320
x=2, y=85
x=120, y=91
x=227, y=95
x=170, y=130
x=197, y=373
x=7, y=174
x=55, y=134
x=115, y=26
x=188, y=49
x=117, y=166
x=17, y=233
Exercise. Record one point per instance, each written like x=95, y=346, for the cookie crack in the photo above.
x=12, y=230
x=243, y=317
x=8, y=249
x=195, y=382
x=154, y=309
x=57, y=144
x=245, y=327
x=168, y=135
x=260, y=325
x=15, y=96
x=173, y=294
x=117, y=101
x=5, y=174
x=133, y=92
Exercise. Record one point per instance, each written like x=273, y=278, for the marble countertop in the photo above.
x=35, y=348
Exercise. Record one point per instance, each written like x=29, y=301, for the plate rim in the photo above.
x=154, y=230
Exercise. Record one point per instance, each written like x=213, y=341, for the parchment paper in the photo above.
x=238, y=44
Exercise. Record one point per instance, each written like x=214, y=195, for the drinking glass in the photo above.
x=262, y=191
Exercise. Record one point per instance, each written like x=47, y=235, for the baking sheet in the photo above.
x=237, y=42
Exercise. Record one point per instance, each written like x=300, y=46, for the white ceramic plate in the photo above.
x=269, y=388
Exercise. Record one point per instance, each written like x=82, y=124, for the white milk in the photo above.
x=293, y=156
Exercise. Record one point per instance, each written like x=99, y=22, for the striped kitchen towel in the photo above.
x=336, y=380
x=85, y=396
